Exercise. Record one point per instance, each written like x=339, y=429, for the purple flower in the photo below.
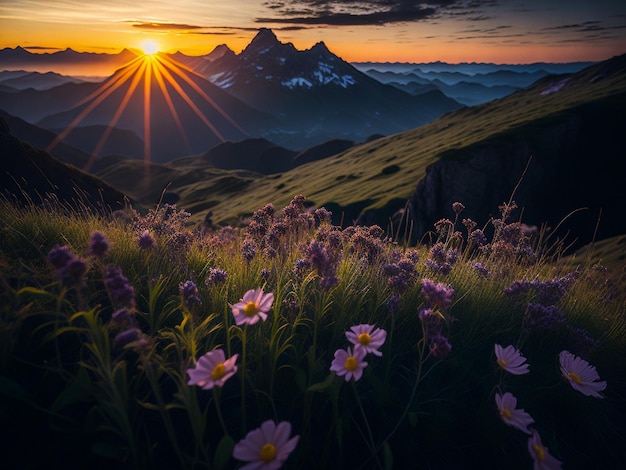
x=146, y=242
x=437, y=294
x=480, y=269
x=73, y=272
x=98, y=245
x=366, y=337
x=216, y=276
x=129, y=338
x=542, y=460
x=59, y=256
x=253, y=306
x=70, y=269
x=189, y=292
x=248, y=249
x=439, y=346
x=511, y=415
x=511, y=360
x=323, y=215
x=122, y=293
x=265, y=274
x=348, y=364
x=432, y=322
x=212, y=370
x=581, y=375
x=267, y=447
x=457, y=207
x=541, y=317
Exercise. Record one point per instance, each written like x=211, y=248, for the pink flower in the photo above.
x=364, y=336
x=511, y=360
x=512, y=416
x=267, y=447
x=542, y=460
x=581, y=375
x=348, y=364
x=254, y=305
x=212, y=370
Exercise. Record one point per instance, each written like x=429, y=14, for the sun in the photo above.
x=149, y=47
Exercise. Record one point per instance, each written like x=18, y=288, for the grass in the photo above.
x=82, y=387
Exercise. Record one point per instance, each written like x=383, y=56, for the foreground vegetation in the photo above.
x=131, y=340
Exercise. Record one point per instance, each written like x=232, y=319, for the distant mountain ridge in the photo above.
x=318, y=95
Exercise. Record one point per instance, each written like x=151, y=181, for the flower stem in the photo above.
x=372, y=444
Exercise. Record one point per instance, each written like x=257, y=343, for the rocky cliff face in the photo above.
x=577, y=160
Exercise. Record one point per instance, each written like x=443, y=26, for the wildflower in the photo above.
x=511, y=360
x=328, y=282
x=248, y=249
x=216, y=276
x=254, y=305
x=368, y=338
x=541, y=317
x=146, y=242
x=189, y=292
x=437, y=294
x=512, y=416
x=69, y=268
x=542, y=460
x=480, y=268
x=439, y=346
x=267, y=447
x=581, y=375
x=212, y=370
x=129, y=338
x=98, y=245
x=122, y=293
x=457, y=207
x=265, y=274
x=72, y=273
x=59, y=256
x=323, y=215
x=431, y=322
x=348, y=364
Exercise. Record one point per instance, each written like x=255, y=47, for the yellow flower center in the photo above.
x=250, y=309
x=502, y=362
x=268, y=452
x=218, y=371
x=364, y=339
x=351, y=363
x=506, y=413
x=541, y=455
x=574, y=376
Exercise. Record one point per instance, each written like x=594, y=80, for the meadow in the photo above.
x=136, y=340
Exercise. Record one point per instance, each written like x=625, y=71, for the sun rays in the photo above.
x=169, y=79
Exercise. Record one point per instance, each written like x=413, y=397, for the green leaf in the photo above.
x=321, y=386
x=38, y=295
x=223, y=452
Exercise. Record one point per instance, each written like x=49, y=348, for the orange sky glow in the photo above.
x=461, y=31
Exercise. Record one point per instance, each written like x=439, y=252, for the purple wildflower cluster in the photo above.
x=544, y=292
x=325, y=260
x=98, y=245
x=121, y=291
x=438, y=300
x=441, y=259
x=165, y=222
x=400, y=272
x=216, y=276
x=189, y=293
x=69, y=268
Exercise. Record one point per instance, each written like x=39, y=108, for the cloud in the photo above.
x=165, y=26
x=360, y=12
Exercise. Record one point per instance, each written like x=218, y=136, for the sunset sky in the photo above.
x=505, y=31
